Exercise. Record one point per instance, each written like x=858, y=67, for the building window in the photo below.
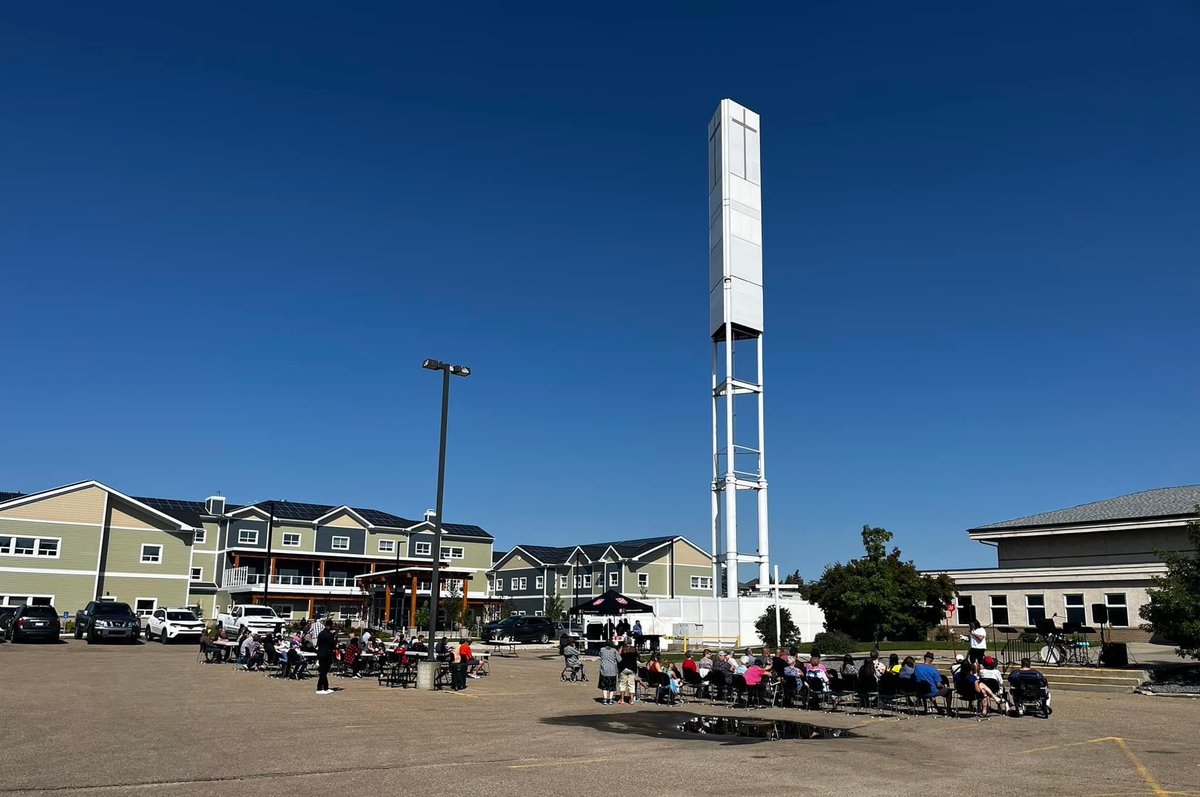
x=30, y=546
x=514, y=584
x=701, y=582
x=519, y=614
x=151, y=554
x=1118, y=611
x=340, y=544
x=247, y=536
x=197, y=574
x=144, y=607
x=22, y=600
x=539, y=583
x=563, y=583
x=966, y=608
x=387, y=546
x=1075, y=610
x=643, y=579
x=999, y=609
x=453, y=553
x=291, y=539
x=1035, y=609
x=524, y=583
x=614, y=579
x=199, y=537
x=422, y=548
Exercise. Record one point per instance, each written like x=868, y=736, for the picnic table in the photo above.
x=503, y=647
x=227, y=645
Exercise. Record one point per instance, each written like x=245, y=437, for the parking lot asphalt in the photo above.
x=82, y=719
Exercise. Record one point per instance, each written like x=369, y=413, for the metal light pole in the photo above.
x=434, y=585
x=270, y=530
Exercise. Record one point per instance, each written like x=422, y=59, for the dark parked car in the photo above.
x=107, y=620
x=520, y=629
x=6, y=613
x=34, y=622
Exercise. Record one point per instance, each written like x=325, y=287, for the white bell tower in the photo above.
x=736, y=320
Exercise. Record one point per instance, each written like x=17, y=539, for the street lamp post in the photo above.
x=434, y=585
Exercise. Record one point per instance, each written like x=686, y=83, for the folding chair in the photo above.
x=740, y=691
x=693, y=681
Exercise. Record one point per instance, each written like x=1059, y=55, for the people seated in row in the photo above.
x=250, y=652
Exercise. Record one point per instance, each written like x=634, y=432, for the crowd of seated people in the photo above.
x=764, y=676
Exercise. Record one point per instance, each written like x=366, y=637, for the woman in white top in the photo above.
x=978, y=640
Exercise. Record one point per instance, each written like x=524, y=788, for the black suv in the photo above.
x=520, y=629
x=33, y=622
x=107, y=620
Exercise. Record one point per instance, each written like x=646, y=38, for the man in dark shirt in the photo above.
x=326, y=642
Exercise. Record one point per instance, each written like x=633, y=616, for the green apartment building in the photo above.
x=87, y=541
x=527, y=577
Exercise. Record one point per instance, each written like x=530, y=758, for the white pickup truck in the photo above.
x=259, y=619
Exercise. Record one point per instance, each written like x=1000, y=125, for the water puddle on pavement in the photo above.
x=770, y=730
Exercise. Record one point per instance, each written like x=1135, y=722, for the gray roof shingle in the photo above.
x=557, y=555
x=1163, y=502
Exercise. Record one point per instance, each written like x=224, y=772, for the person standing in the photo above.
x=610, y=668
x=326, y=642
x=628, y=674
x=978, y=641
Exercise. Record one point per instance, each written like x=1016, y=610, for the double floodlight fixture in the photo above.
x=438, y=365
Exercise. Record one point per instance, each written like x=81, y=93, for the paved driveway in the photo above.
x=92, y=720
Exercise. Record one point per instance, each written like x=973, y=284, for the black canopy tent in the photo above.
x=611, y=603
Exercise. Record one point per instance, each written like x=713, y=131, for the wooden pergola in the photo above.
x=411, y=575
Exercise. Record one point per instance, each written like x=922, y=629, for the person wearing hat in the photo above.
x=928, y=680
x=993, y=679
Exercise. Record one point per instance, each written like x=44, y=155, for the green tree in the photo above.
x=803, y=587
x=788, y=632
x=1174, y=608
x=555, y=607
x=880, y=595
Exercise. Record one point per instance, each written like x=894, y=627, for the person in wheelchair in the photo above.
x=1029, y=689
x=573, y=669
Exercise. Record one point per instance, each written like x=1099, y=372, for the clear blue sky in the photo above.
x=230, y=234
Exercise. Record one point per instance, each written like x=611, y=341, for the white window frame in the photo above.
x=391, y=546
x=145, y=612
x=333, y=543
x=1081, y=606
x=564, y=582
x=1109, y=606
x=539, y=582
x=512, y=583
x=587, y=580
x=453, y=552
x=614, y=579
x=422, y=548
x=196, y=574
x=199, y=537
x=643, y=580
x=702, y=582
x=11, y=548
x=992, y=606
x=157, y=561
x=295, y=535
x=1029, y=606
x=27, y=600
x=242, y=539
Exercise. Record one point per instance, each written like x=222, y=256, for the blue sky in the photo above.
x=230, y=235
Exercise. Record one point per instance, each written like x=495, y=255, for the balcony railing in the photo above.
x=239, y=579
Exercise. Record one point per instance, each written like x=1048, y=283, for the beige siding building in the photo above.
x=528, y=577
x=82, y=542
x=1080, y=565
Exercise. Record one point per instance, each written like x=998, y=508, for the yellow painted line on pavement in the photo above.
x=1155, y=787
